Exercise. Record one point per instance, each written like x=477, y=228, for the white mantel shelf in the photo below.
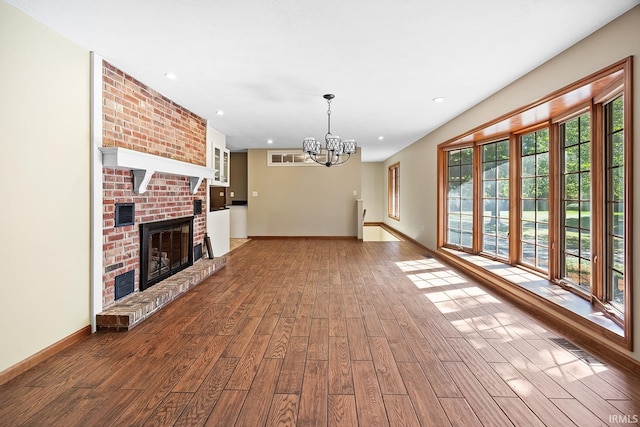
x=144, y=165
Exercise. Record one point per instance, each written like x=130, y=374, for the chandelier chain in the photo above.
x=329, y=117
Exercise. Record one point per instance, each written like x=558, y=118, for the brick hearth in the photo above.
x=135, y=308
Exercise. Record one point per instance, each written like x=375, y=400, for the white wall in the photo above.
x=374, y=191
x=418, y=162
x=44, y=182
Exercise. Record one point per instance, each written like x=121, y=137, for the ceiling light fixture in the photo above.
x=170, y=76
x=380, y=138
x=438, y=99
x=220, y=113
x=269, y=141
x=335, y=147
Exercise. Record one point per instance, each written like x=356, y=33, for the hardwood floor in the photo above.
x=325, y=332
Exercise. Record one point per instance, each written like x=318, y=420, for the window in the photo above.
x=495, y=199
x=460, y=197
x=575, y=202
x=534, y=197
x=549, y=186
x=615, y=203
x=291, y=158
x=393, y=180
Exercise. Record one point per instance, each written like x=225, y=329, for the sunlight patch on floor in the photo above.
x=419, y=264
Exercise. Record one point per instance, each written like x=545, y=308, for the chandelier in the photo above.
x=335, y=147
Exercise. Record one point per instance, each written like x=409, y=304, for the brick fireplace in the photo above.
x=137, y=118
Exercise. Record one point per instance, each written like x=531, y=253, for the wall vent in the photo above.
x=124, y=284
x=197, y=252
x=125, y=214
x=197, y=207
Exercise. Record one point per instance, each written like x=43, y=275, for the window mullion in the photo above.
x=598, y=261
x=478, y=199
x=554, y=201
x=514, y=194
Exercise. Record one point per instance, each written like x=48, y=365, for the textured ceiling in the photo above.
x=267, y=63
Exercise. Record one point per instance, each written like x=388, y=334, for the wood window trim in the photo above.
x=603, y=85
x=393, y=191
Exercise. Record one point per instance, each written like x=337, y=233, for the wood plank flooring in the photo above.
x=325, y=333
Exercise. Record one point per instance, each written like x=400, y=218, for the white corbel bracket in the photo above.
x=194, y=183
x=141, y=178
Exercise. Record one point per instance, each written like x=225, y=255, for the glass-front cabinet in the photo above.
x=221, y=165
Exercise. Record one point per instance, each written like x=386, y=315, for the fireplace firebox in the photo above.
x=166, y=248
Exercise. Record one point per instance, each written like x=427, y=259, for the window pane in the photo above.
x=453, y=189
x=490, y=207
x=528, y=144
x=528, y=166
x=503, y=169
x=466, y=206
x=529, y=188
x=503, y=191
x=489, y=153
x=572, y=241
x=542, y=187
x=542, y=164
x=466, y=240
x=467, y=222
x=571, y=187
x=466, y=190
x=503, y=248
x=454, y=157
x=571, y=133
x=542, y=234
x=453, y=237
x=585, y=215
x=585, y=186
x=489, y=189
x=585, y=156
x=528, y=231
x=571, y=159
x=489, y=171
x=502, y=150
x=490, y=244
x=528, y=254
x=618, y=218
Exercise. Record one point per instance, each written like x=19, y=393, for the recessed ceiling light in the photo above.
x=380, y=138
x=438, y=99
x=220, y=113
x=269, y=141
x=170, y=76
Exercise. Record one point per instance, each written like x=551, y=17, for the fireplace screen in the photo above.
x=166, y=249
